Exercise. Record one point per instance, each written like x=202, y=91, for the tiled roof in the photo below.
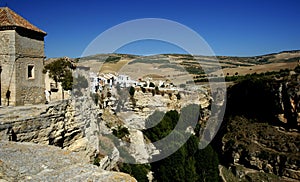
x=8, y=18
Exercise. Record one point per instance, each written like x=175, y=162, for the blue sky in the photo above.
x=230, y=27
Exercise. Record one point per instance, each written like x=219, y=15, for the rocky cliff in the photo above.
x=43, y=124
x=37, y=162
x=259, y=138
x=79, y=125
x=73, y=125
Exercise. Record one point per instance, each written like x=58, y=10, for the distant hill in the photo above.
x=196, y=65
x=284, y=56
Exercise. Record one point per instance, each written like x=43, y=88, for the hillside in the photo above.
x=196, y=65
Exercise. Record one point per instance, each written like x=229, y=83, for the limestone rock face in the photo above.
x=32, y=162
x=53, y=124
x=134, y=115
x=39, y=124
x=138, y=147
x=262, y=148
x=262, y=132
x=80, y=125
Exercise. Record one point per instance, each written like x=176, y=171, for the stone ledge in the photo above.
x=35, y=162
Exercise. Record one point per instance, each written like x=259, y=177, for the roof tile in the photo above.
x=8, y=18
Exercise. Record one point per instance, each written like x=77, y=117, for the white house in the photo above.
x=125, y=81
x=94, y=82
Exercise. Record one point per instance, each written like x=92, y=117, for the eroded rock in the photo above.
x=36, y=162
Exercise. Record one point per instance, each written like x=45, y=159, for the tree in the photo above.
x=131, y=91
x=178, y=96
x=151, y=84
x=143, y=89
x=138, y=171
x=67, y=82
x=60, y=71
x=207, y=164
x=188, y=163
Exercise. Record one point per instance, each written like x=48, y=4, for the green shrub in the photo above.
x=138, y=171
x=131, y=91
x=113, y=59
x=120, y=132
x=96, y=161
x=151, y=84
x=178, y=96
x=143, y=89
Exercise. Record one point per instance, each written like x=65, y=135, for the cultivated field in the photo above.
x=178, y=67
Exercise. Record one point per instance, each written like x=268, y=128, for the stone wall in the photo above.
x=16, y=53
x=29, y=90
x=7, y=58
x=29, y=46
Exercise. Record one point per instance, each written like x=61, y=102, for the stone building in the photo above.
x=21, y=60
x=57, y=92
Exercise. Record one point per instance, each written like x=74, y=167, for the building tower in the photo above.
x=21, y=60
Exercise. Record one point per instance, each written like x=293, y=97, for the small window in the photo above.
x=30, y=73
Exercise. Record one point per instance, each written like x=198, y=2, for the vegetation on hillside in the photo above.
x=188, y=163
x=113, y=59
x=253, y=106
x=138, y=171
x=150, y=61
x=239, y=78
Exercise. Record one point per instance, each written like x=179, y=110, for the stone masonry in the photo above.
x=21, y=60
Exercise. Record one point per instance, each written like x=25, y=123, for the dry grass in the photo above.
x=243, y=70
x=140, y=70
x=114, y=67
